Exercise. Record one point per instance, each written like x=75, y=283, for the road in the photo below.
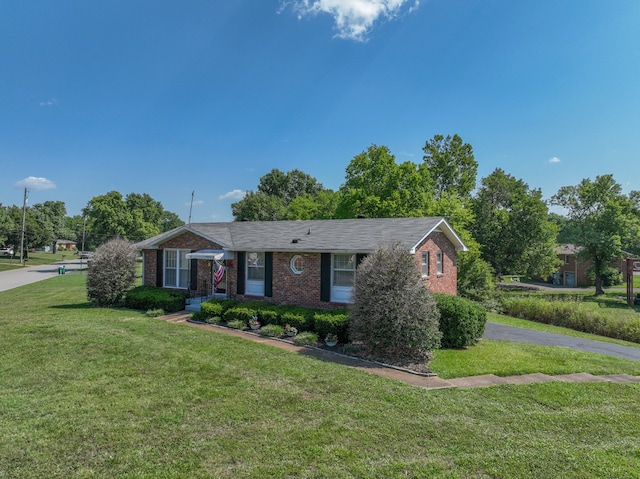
x=501, y=332
x=32, y=274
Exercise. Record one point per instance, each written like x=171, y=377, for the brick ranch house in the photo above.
x=573, y=269
x=307, y=263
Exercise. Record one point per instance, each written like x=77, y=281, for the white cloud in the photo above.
x=36, y=184
x=195, y=203
x=555, y=159
x=233, y=195
x=353, y=19
x=52, y=102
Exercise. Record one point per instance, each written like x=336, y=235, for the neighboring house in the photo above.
x=573, y=270
x=65, y=245
x=308, y=263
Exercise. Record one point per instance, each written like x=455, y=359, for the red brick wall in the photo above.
x=304, y=289
x=447, y=281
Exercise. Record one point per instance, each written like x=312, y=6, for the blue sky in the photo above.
x=169, y=97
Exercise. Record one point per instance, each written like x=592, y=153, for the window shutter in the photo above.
x=241, y=271
x=193, y=281
x=325, y=277
x=359, y=258
x=268, y=275
x=159, y=267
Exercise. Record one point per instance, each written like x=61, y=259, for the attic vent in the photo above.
x=295, y=240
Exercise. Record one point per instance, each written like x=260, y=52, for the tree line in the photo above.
x=505, y=223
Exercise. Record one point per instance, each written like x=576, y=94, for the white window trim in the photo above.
x=423, y=264
x=342, y=294
x=178, y=268
x=292, y=264
x=253, y=287
x=439, y=263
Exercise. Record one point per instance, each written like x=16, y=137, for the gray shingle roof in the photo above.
x=348, y=235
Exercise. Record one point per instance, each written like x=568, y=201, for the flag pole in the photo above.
x=24, y=219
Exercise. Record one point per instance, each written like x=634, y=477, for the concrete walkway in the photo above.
x=420, y=380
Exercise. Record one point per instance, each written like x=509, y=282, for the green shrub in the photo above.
x=210, y=310
x=575, y=315
x=150, y=297
x=295, y=320
x=393, y=316
x=236, y=324
x=154, y=313
x=239, y=313
x=306, y=338
x=335, y=322
x=462, y=321
x=268, y=316
x=610, y=277
x=112, y=272
x=271, y=330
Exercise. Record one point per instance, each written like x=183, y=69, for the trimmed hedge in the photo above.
x=151, y=297
x=575, y=315
x=335, y=322
x=239, y=313
x=462, y=321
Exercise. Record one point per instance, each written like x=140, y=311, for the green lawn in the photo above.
x=104, y=393
x=35, y=259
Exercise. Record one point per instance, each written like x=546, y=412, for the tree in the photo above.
x=513, y=228
x=282, y=196
x=602, y=221
x=378, y=187
x=7, y=226
x=451, y=165
x=393, y=315
x=112, y=272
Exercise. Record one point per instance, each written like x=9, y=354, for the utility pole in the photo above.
x=191, y=207
x=24, y=220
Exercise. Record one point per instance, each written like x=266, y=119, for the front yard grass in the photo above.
x=110, y=393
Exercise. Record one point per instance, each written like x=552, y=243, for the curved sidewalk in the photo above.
x=408, y=377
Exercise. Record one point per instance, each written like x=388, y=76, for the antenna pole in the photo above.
x=191, y=207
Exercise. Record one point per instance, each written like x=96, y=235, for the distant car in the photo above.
x=6, y=251
x=86, y=254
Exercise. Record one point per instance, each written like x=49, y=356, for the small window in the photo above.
x=425, y=264
x=439, y=262
x=297, y=264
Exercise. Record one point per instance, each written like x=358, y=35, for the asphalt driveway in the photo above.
x=501, y=332
x=32, y=274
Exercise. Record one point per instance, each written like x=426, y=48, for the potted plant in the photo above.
x=331, y=340
x=290, y=330
x=254, y=323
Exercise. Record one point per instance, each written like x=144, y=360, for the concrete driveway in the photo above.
x=31, y=274
x=501, y=332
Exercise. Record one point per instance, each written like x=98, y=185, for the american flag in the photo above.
x=218, y=274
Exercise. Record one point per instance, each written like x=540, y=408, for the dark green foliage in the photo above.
x=296, y=320
x=335, y=322
x=610, y=276
x=462, y=321
x=112, y=272
x=209, y=310
x=393, y=316
x=239, y=313
x=306, y=338
x=271, y=330
x=151, y=297
x=573, y=314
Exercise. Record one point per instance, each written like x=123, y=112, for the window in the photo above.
x=425, y=264
x=255, y=274
x=297, y=264
x=439, y=262
x=343, y=277
x=176, y=268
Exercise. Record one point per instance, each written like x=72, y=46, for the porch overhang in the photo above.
x=210, y=254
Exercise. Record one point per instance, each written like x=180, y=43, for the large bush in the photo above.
x=462, y=321
x=334, y=322
x=112, y=272
x=151, y=297
x=393, y=316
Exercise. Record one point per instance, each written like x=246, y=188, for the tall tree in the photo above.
x=602, y=220
x=452, y=166
x=512, y=225
x=378, y=187
x=282, y=196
